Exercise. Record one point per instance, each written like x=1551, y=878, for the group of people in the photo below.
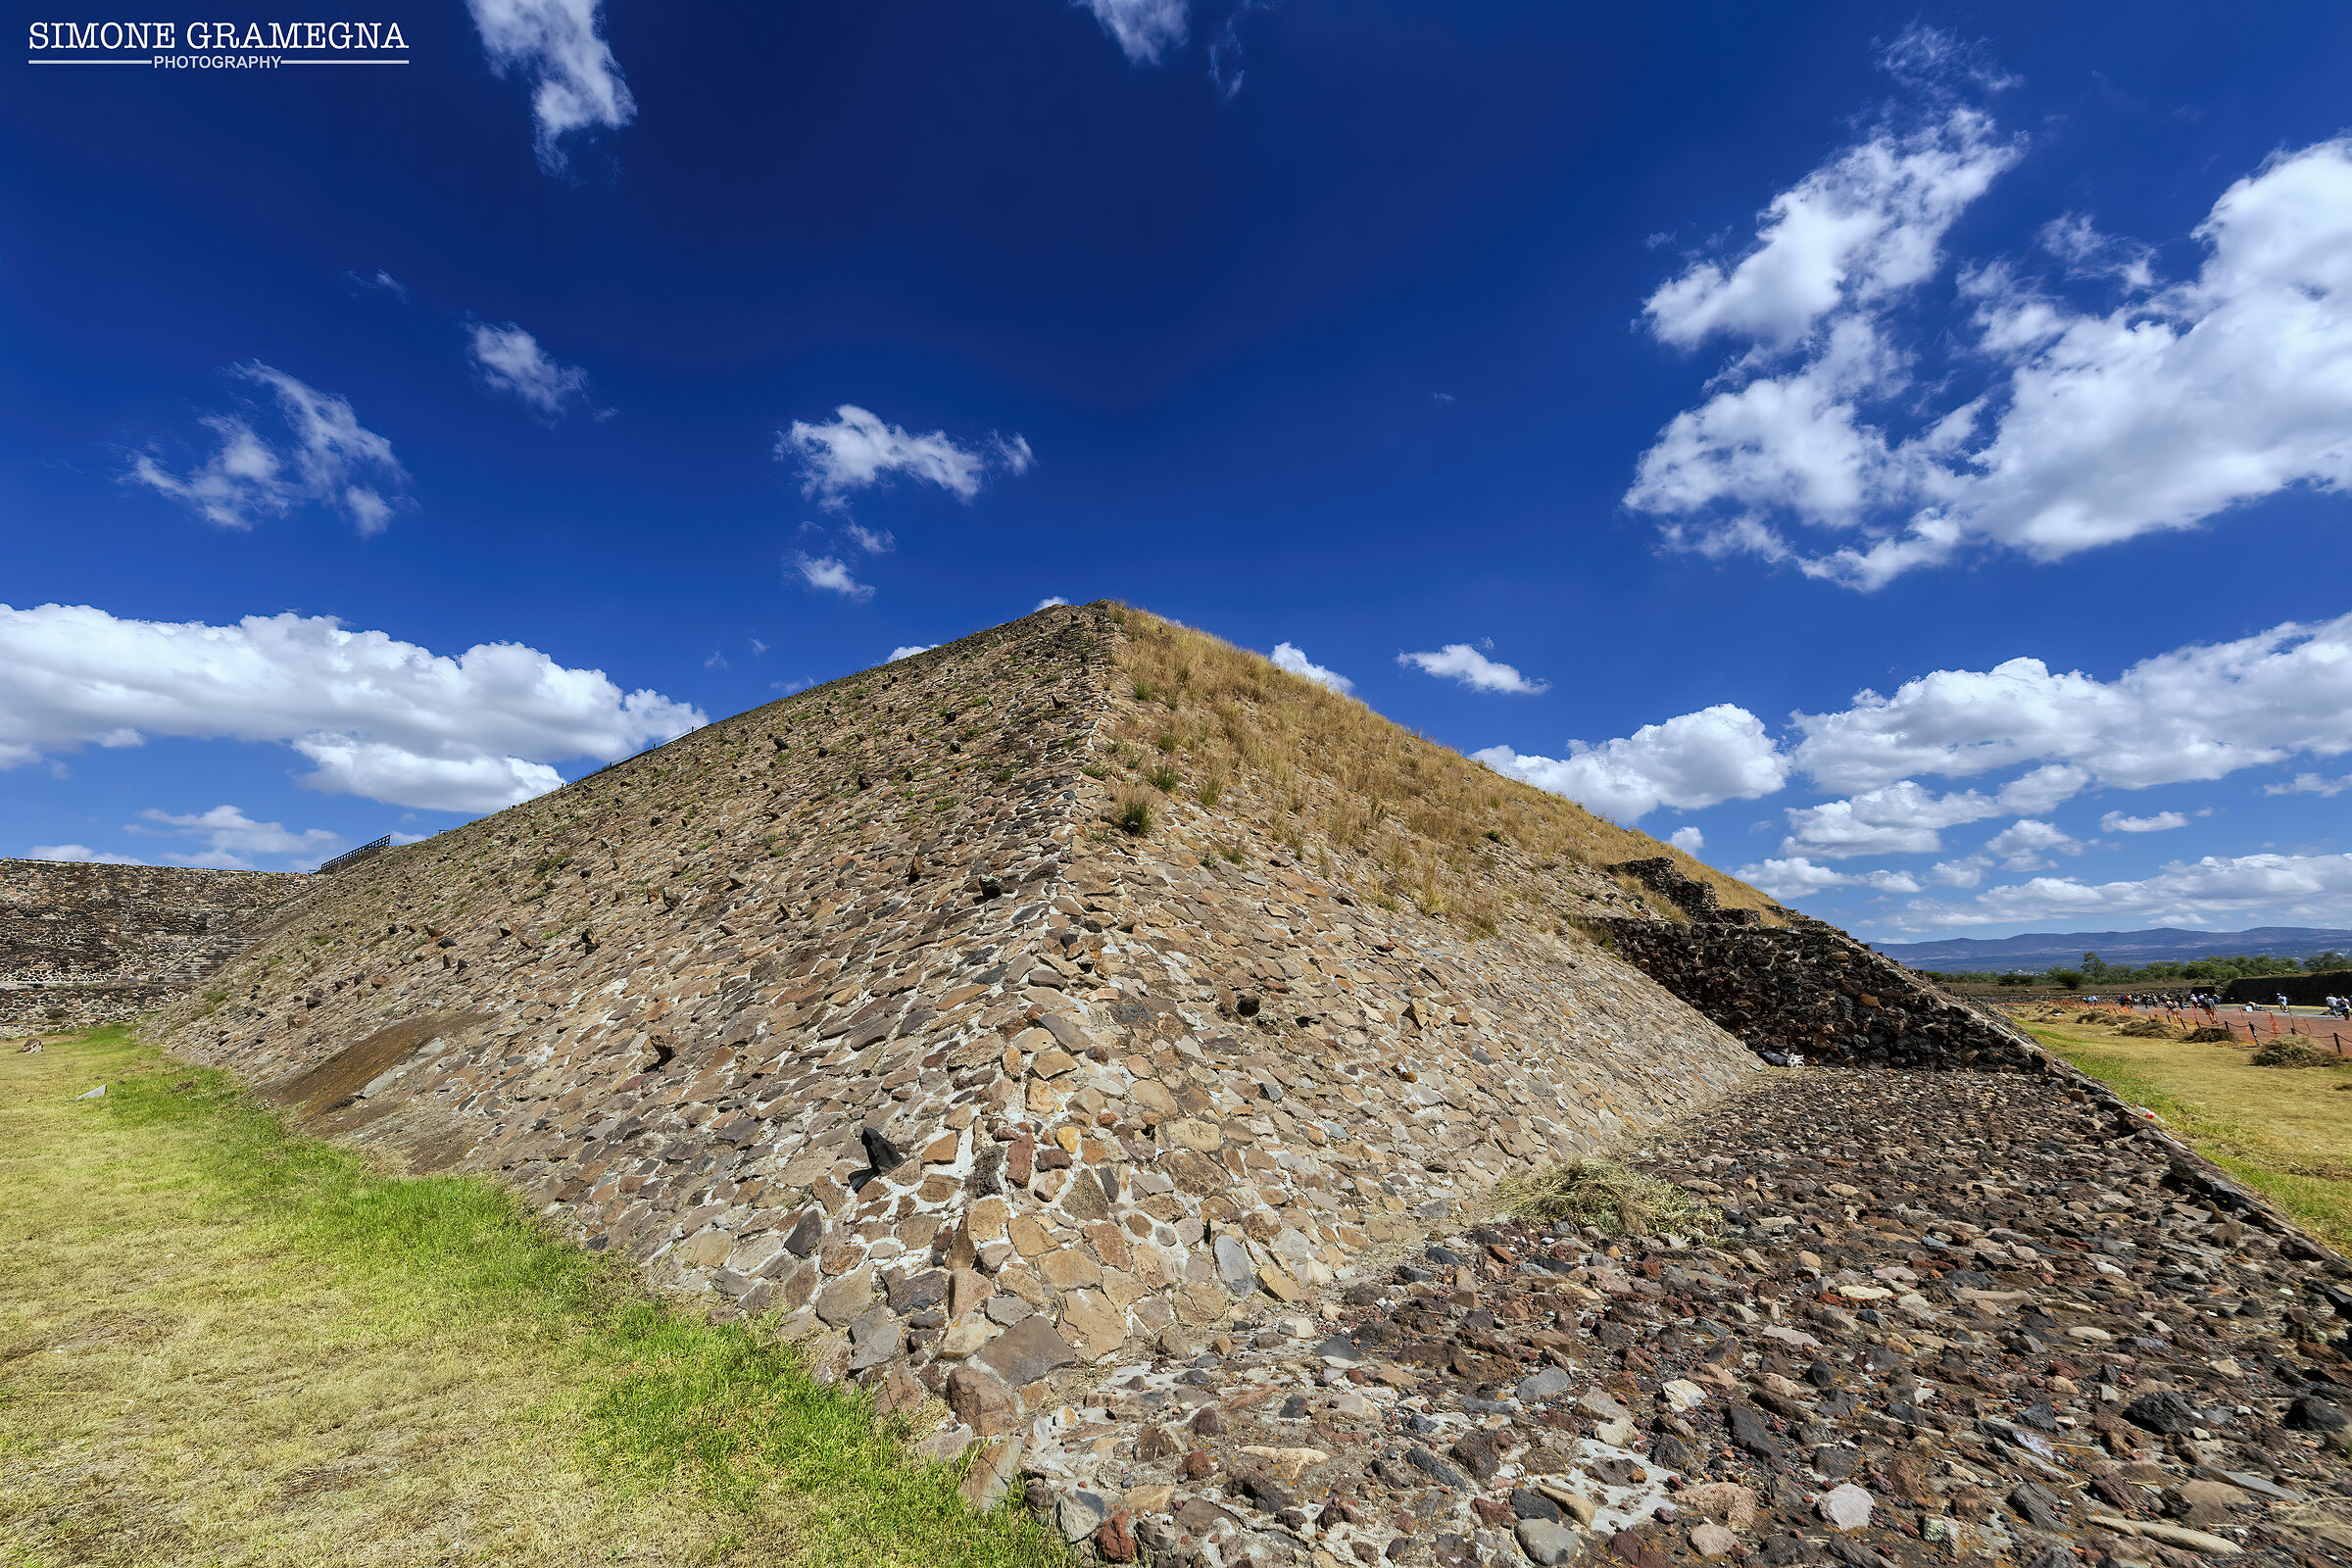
x=2206, y=1002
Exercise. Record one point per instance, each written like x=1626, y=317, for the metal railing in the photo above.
x=326, y=867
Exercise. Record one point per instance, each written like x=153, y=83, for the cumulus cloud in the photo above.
x=2196, y=714
x=1474, y=669
x=871, y=541
x=554, y=46
x=1144, y=29
x=1718, y=754
x=1689, y=840
x=857, y=448
x=1905, y=818
x=1048, y=603
x=2095, y=425
x=908, y=651
x=827, y=574
x=510, y=359
x=2022, y=844
x=1864, y=226
x=375, y=716
x=323, y=457
x=1794, y=877
x=1288, y=656
x=80, y=853
x=2301, y=889
x=233, y=840
x=2162, y=821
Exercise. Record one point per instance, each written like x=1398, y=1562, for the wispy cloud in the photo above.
x=829, y=574
x=1144, y=29
x=555, y=45
x=382, y=282
x=512, y=360
x=325, y=457
x=233, y=840
x=857, y=448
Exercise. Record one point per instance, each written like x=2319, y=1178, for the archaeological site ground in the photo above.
x=1137, y=1094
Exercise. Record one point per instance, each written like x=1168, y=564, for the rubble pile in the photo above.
x=1803, y=990
x=1948, y=1317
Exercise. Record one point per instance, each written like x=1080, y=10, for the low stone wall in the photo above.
x=83, y=945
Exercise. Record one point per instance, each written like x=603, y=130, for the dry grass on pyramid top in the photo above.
x=1321, y=776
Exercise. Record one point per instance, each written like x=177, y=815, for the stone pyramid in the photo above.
x=1001, y=1008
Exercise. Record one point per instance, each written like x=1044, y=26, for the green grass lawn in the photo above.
x=2283, y=1131
x=222, y=1341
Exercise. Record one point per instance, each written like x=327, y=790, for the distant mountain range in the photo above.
x=2039, y=950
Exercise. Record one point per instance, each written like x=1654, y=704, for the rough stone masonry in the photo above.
x=853, y=1009
x=84, y=944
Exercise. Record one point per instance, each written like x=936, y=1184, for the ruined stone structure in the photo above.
x=104, y=944
x=858, y=1006
x=1805, y=990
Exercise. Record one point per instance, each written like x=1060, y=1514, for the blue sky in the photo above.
x=1903, y=453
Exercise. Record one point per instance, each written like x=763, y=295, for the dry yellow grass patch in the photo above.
x=1338, y=786
x=2282, y=1131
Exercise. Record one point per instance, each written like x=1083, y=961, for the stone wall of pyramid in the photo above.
x=83, y=944
x=858, y=1009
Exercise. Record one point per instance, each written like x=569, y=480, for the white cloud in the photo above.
x=2118, y=822
x=1288, y=656
x=234, y=839
x=1144, y=29
x=1698, y=759
x=2284, y=888
x=556, y=47
x=1903, y=818
x=2021, y=845
x=510, y=359
x=2311, y=784
x=2196, y=714
x=855, y=449
x=2096, y=427
x=1465, y=663
x=82, y=852
x=1962, y=874
x=327, y=458
x=1048, y=603
x=909, y=650
x=870, y=541
x=1689, y=840
x=382, y=281
x=1861, y=227
x=1794, y=877
x=378, y=717
x=830, y=575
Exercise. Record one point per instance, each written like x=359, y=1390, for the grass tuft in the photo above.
x=1131, y=814
x=1611, y=1198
